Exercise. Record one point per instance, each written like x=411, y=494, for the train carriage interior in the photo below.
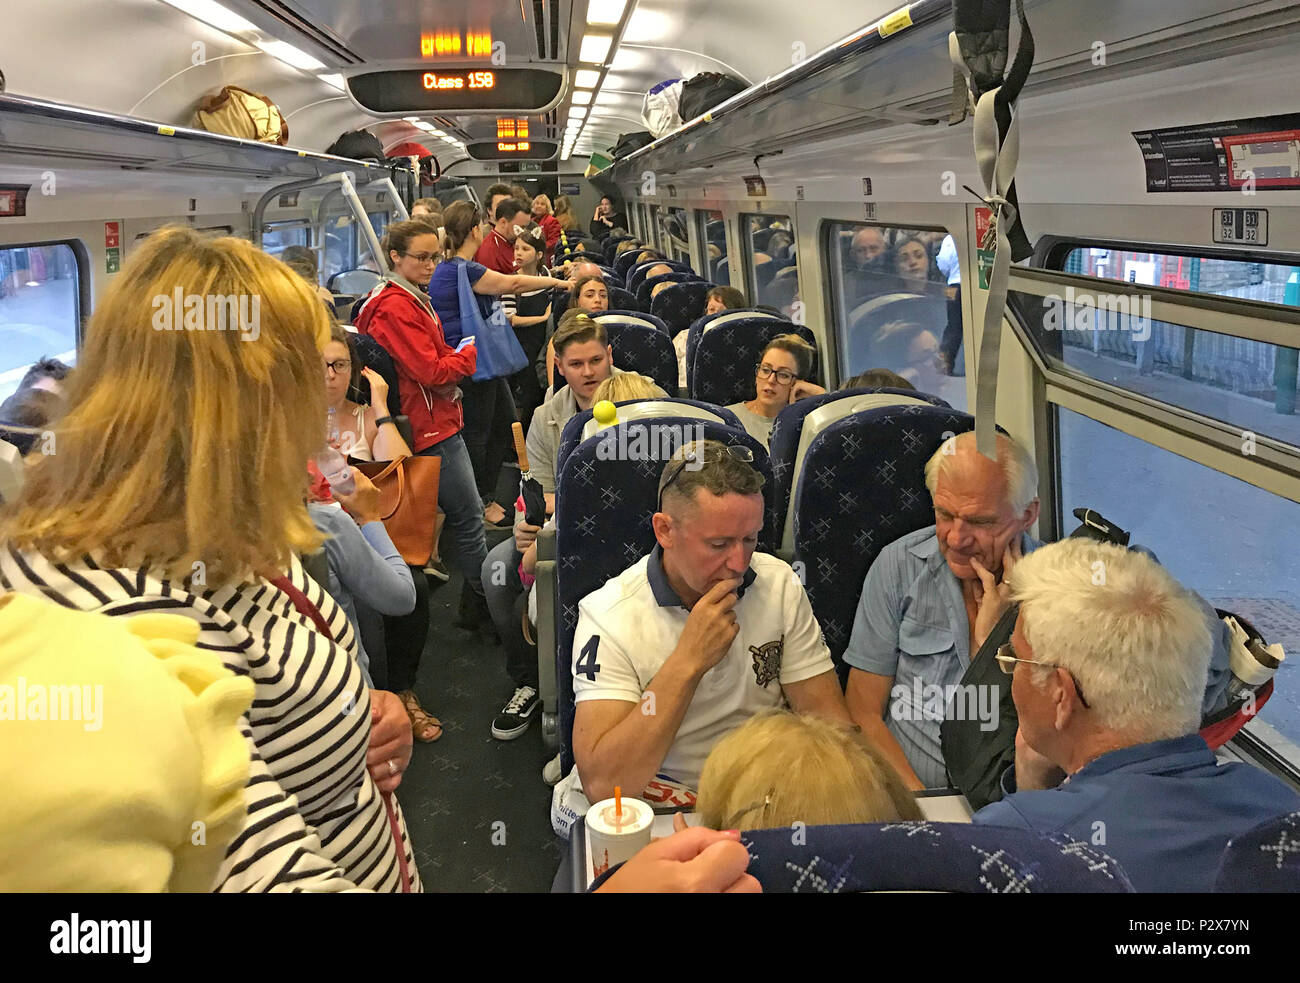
x=832, y=239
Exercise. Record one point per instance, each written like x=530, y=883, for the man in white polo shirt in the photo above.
x=694, y=639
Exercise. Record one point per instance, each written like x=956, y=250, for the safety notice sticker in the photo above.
x=1262, y=153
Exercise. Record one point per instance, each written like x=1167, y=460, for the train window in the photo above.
x=40, y=308
x=1176, y=507
x=1113, y=338
x=772, y=268
x=655, y=229
x=380, y=222
x=892, y=308
x=215, y=231
x=712, y=231
x=277, y=235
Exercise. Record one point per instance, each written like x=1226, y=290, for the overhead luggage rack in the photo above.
x=44, y=132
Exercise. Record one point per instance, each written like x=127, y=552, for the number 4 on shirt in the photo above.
x=587, y=664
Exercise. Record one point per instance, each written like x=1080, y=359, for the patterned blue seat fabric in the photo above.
x=639, y=348
x=1263, y=859
x=928, y=856
x=723, y=371
x=623, y=264
x=603, y=523
x=647, y=285
x=681, y=304
x=571, y=435
x=863, y=487
x=698, y=326
x=636, y=275
x=609, y=244
x=788, y=429
x=623, y=300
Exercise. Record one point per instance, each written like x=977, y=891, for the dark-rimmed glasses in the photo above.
x=783, y=376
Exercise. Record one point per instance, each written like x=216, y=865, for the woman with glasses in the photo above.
x=779, y=379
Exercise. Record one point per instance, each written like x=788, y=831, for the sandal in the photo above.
x=421, y=722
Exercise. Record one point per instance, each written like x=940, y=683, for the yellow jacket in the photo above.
x=121, y=756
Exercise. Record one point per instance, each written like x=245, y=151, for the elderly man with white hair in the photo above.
x=932, y=597
x=1109, y=659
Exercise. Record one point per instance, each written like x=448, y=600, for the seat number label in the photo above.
x=1244, y=226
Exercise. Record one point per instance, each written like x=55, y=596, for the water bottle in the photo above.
x=332, y=426
x=334, y=466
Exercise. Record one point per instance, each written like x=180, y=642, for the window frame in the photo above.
x=83, y=295
x=702, y=219
x=747, y=247
x=282, y=224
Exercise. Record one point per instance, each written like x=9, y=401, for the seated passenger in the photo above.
x=584, y=361
x=426, y=206
x=912, y=262
x=877, y=379
x=302, y=261
x=932, y=597
x=1108, y=677
x=188, y=498
x=590, y=295
x=780, y=768
x=109, y=801
x=659, y=288
x=659, y=269
x=780, y=378
x=913, y=350
x=26, y=415
x=717, y=299
x=44, y=373
x=703, y=630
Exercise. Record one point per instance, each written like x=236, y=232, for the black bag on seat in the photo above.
x=974, y=757
x=631, y=142
x=706, y=90
x=357, y=145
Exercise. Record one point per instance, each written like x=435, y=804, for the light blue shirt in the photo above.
x=947, y=261
x=365, y=569
x=1165, y=810
x=911, y=624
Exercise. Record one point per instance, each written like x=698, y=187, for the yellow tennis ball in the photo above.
x=605, y=413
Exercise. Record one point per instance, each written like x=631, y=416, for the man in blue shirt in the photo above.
x=931, y=598
x=1109, y=659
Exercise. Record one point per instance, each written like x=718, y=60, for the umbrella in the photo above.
x=530, y=489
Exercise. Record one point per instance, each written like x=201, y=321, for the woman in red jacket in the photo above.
x=400, y=317
x=543, y=216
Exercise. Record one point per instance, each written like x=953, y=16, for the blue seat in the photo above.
x=623, y=264
x=603, y=524
x=723, y=371
x=1263, y=859
x=643, y=292
x=928, y=856
x=863, y=487
x=636, y=274
x=631, y=316
x=575, y=431
x=609, y=244
x=622, y=300
x=356, y=282
x=708, y=322
x=681, y=304
x=794, y=430
x=643, y=348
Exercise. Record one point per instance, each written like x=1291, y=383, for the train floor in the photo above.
x=477, y=808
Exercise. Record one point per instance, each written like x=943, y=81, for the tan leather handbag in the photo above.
x=408, y=502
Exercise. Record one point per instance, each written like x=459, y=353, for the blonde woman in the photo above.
x=543, y=217
x=187, y=497
x=780, y=768
x=564, y=214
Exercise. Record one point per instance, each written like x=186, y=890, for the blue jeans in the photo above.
x=458, y=496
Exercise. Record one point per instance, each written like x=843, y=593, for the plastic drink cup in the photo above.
x=614, y=837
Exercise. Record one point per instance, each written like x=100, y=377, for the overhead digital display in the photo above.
x=438, y=90
x=512, y=149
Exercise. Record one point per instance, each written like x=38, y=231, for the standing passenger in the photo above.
x=401, y=318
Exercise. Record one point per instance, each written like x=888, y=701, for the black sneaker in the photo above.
x=516, y=715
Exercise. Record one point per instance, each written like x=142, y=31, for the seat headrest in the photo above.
x=645, y=409
x=11, y=472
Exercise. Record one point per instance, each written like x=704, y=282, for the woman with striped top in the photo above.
x=188, y=498
x=529, y=313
